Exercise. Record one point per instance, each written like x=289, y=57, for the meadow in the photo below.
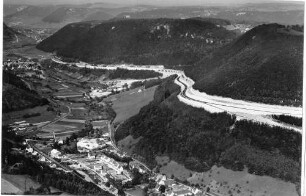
x=128, y=103
x=14, y=116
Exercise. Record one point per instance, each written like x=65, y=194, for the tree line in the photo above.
x=199, y=139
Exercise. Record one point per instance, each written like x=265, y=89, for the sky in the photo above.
x=142, y=2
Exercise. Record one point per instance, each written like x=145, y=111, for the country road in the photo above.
x=57, y=119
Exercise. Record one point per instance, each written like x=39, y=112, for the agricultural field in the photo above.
x=8, y=188
x=63, y=128
x=28, y=51
x=99, y=124
x=128, y=103
x=65, y=93
x=77, y=105
x=78, y=113
x=21, y=182
x=44, y=116
x=227, y=182
x=170, y=167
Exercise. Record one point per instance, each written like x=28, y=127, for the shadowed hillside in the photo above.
x=12, y=38
x=16, y=94
x=263, y=65
x=8, y=33
x=156, y=41
x=199, y=139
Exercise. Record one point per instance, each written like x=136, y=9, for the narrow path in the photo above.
x=17, y=40
x=57, y=119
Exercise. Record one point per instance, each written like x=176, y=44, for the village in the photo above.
x=78, y=139
x=97, y=161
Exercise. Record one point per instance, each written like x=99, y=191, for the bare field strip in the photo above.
x=99, y=123
x=72, y=120
x=62, y=127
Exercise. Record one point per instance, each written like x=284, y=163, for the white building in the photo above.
x=86, y=145
x=55, y=153
x=42, y=159
x=30, y=150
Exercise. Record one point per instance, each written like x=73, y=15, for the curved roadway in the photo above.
x=242, y=109
x=258, y=112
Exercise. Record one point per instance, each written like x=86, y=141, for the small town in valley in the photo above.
x=80, y=141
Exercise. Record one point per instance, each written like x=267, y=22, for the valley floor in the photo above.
x=257, y=112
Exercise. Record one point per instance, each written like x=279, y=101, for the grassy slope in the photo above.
x=128, y=104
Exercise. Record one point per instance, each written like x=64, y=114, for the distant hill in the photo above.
x=143, y=41
x=99, y=15
x=31, y=12
x=264, y=65
x=12, y=38
x=29, y=16
x=9, y=9
x=16, y=94
x=63, y=14
x=284, y=13
x=57, y=16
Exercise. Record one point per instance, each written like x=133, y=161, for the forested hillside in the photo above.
x=199, y=139
x=151, y=41
x=263, y=65
x=16, y=94
x=12, y=38
x=8, y=33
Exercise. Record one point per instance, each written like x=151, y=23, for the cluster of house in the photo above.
x=89, y=144
x=240, y=27
x=172, y=188
x=103, y=165
x=28, y=67
x=116, y=153
x=117, y=85
x=41, y=158
x=113, y=86
x=98, y=92
x=102, y=169
x=121, y=66
x=19, y=126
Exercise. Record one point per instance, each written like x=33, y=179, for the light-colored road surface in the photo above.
x=242, y=109
x=17, y=40
x=253, y=111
